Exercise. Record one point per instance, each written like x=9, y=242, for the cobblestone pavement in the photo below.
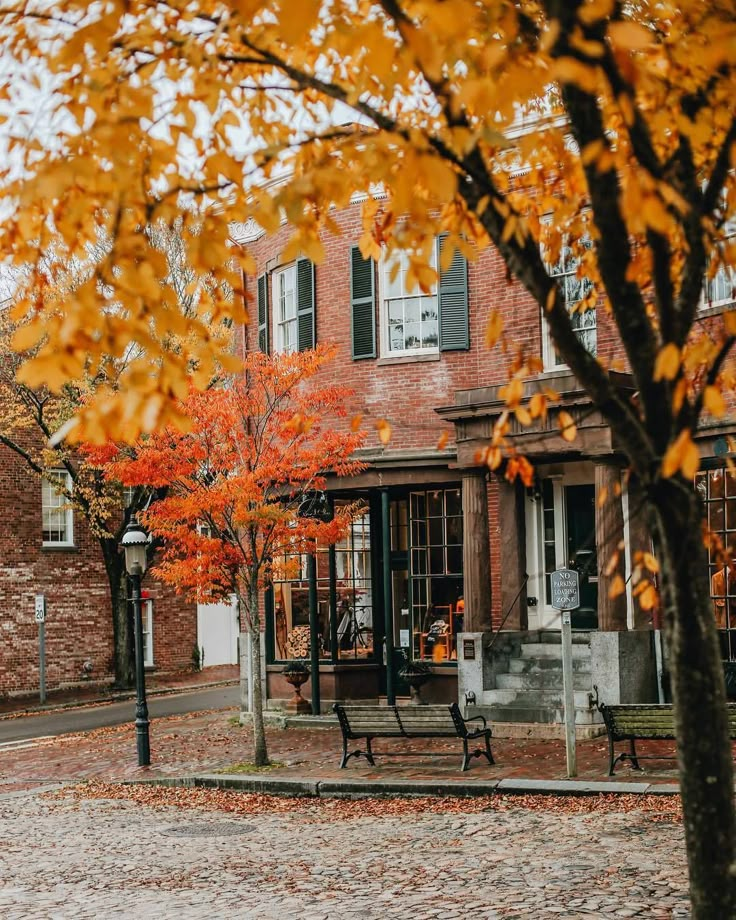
x=65, y=857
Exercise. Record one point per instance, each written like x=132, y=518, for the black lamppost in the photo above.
x=135, y=545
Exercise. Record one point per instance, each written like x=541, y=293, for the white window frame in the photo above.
x=549, y=355
x=285, y=329
x=383, y=300
x=725, y=275
x=55, y=506
x=147, y=621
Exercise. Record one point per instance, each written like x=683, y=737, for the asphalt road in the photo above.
x=85, y=718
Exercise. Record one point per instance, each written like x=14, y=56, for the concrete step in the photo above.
x=544, y=715
x=533, y=699
x=547, y=679
x=552, y=650
x=540, y=665
x=554, y=636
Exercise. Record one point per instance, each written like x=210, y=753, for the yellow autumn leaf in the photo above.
x=617, y=587
x=443, y=439
x=648, y=598
x=602, y=496
x=667, y=362
x=714, y=402
x=650, y=562
x=729, y=321
x=523, y=416
x=494, y=328
x=681, y=456
x=355, y=422
x=630, y=36
x=384, y=431
x=568, y=429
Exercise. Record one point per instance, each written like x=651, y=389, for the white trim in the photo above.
x=292, y=322
x=57, y=507
x=147, y=620
x=627, y=556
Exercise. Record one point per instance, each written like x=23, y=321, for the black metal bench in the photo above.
x=634, y=722
x=373, y=721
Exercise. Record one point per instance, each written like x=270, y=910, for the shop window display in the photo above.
x=354, y=631
x=436, y=565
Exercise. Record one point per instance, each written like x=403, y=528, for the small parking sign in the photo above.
x=565, y=585
x=40, y=608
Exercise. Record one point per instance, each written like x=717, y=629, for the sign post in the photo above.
x=40, y=617
x=566, y=597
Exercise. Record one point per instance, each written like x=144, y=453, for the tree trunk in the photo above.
x=704, y=749
x=253, y=625
x=122, y=630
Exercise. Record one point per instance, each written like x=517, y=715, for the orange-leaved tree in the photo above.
x=235, y=481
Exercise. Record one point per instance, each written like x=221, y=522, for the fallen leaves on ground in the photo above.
x=659, y=808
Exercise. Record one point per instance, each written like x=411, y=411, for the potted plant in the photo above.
x=416, y=674
x=296, y=673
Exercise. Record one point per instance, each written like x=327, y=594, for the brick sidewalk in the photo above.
x=212, y=741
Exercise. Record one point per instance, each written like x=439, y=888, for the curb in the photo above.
x=357, y=788
x=122, y=697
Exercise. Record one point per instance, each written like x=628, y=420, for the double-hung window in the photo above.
x=56, y=512
x=575, y=289
x=720, y=290
x=285, y=318
x=410, y=316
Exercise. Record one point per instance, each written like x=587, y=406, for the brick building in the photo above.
x=447, y=553
x=47, y=549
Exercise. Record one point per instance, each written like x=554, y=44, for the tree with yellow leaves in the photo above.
x=31, y=417
x=525, y=124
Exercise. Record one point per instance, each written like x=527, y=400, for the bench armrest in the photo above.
x=476, y=719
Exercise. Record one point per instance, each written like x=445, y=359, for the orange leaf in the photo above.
x=384, y=431
x=355, y=422
x=667, y=363
x=648, y=598
x=617, y=587
x=444, y=438
x=568, y=429
x=714, y=402
x=494, y=328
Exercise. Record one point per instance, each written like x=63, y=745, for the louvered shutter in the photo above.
x=263, y=314
x=453, y=302
x=305, y=304
x=362, y=305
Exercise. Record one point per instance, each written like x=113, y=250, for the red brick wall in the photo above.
x=406, y=391
x=78, y=612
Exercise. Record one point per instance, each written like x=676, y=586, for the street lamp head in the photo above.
x=315, y=505
x=135, y=545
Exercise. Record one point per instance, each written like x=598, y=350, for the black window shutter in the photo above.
x=263, y=314
x=453, y=302
x=362, y=305
x=305, y=304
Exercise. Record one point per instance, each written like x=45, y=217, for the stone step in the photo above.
x=547, y=679
x=540, y=714
x=551, y=650
x=540, y=665
x=554, y=636
x=533, y=699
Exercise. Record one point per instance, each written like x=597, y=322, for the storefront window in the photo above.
x=436, y=565
x=717, y=489
x=354, y=635
x=354, y=591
